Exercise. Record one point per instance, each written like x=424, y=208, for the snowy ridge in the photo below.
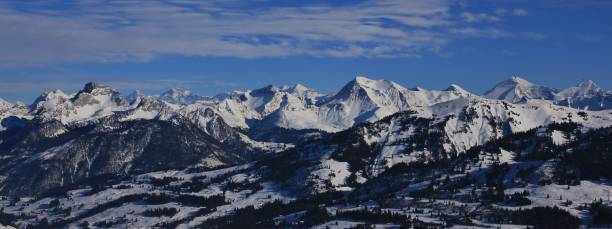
x=586, y=95
x=296, y=107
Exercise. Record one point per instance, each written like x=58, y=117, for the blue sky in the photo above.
x=216, y=46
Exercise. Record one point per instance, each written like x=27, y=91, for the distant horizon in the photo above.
x=126, y=92
x=210, y=47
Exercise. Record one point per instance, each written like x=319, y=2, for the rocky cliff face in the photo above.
x=34, y=162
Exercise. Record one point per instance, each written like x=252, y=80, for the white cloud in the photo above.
x=473, y=17
x=501, y=11
x=515, y=12
x=520, y=12
x=117, y=31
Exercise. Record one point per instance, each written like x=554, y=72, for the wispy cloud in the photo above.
x=473, y=17
x=117, y=31
x=519, y=12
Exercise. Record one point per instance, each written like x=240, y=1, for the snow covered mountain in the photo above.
x=361, y=100
x=586, y=95
x=389, y=165
x=9, y=112
x=179, y=96
x=4, y=104
x=93, y=101
x=517, y=89
x=373, y=153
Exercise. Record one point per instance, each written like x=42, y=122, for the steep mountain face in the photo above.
x=34, y=162
x=586, y=95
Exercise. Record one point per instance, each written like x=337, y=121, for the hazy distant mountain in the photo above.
x=586, y=95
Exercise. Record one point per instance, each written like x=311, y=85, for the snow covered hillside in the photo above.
x=374, y=154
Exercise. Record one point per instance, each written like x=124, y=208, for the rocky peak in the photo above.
x=180, y=96
x=96, y=88
x=4, y=104
x=588, y=87
x=457, y=89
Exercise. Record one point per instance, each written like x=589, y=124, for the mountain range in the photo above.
x=371, y=154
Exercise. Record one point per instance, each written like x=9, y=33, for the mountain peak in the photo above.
x=453, y=87
x=516, y=89
x=588, y=86
x=457, y=88
x=270, y=89
x=299, y=87
x=520, y=81
x=134, y=96
x=176, y=92
x=92, y=86
x=179, y=96
x=363, y=80
x=4, y=103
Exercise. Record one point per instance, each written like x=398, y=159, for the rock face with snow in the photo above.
x=107, y=147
